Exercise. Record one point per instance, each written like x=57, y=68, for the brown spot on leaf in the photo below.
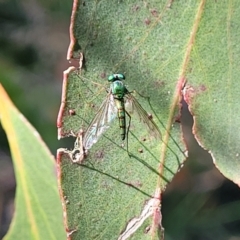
x=136, y=183
x=147, y=229
x=158, y=83
x=99, y=154
x=154, y=12
x=147, y=21
x=103, y=75
x=135, y=8
x=150, y=117
x=177, y=118
x=189, y=92
x=71, y=112
x=140, y=150
x=203, y=88
x=144, y=139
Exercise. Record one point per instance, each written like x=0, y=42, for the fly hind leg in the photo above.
x=129, y=124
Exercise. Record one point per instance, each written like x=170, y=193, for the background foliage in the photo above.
x=199, y=203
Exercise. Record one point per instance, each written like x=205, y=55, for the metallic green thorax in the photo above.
x=119, y=90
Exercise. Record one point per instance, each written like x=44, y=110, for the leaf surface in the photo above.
x=38, y=213
x=213, y=82
x=160, y=47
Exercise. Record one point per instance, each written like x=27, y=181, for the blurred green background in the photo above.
x=199, y=204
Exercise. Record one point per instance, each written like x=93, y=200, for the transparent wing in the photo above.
x=132, y=105
x=101, y=122
x=78, y=154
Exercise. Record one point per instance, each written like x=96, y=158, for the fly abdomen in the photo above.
x=121, y=116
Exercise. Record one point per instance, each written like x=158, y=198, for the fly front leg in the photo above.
x=146, y=97
x=129, y=124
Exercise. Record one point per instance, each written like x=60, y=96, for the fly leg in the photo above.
x=89, y=86
x=146, y=97
x=129, y=124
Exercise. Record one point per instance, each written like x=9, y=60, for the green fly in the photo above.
x=115, y=105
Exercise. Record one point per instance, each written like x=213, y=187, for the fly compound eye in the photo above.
x=111, y=78
x=116, y=76
x=120, y=76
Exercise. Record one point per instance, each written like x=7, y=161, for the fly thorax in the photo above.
x=118, y=89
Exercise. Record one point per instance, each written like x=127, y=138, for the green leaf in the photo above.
x=110, y=189
x=38, y=212
x=158, y=46
x=213, y=83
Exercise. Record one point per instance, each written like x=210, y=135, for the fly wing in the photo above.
x=101, y=122
x=134, y=106
x=78, y=154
